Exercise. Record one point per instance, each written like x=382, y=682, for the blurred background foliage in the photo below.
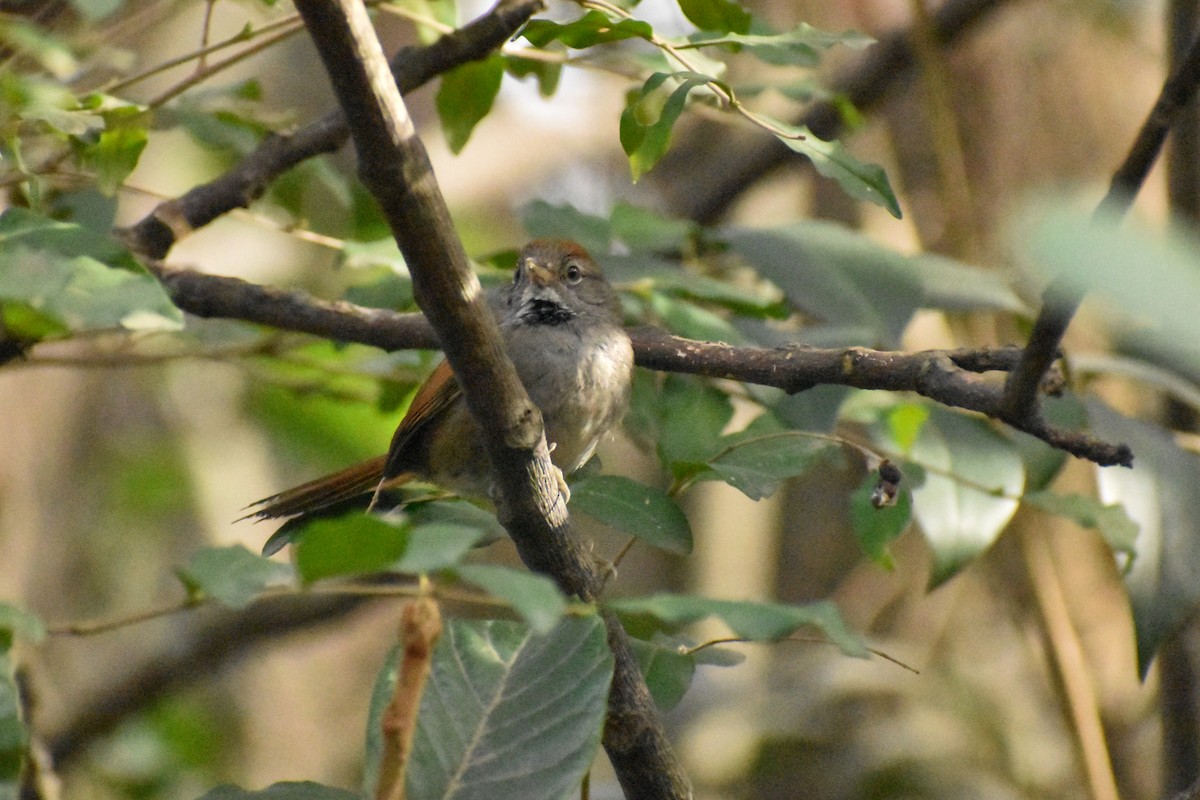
x=132, y=443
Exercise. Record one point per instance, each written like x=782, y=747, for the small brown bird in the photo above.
x=561, y=323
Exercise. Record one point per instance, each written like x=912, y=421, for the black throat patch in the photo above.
x=540, y=311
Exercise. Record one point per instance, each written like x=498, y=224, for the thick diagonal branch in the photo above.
x=394, y=166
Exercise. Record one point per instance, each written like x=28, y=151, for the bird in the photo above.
x=560, y=321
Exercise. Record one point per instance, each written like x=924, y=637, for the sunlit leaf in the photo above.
x=348, y=545
x=634, y=508
x=509, y=713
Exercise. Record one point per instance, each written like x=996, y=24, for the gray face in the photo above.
x=556, y=283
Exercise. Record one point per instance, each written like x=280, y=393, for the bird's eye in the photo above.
x=574, y=273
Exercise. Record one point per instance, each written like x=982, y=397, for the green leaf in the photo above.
x=437, y=545
x=722, y=16
x=667, y=671
x=646, y=126
x=465, y=97
x=14, y=738
x=353, y=544
x=691, y=416
x=114, y=155
x=690, y=321
x=534, y=597
x=547, y=73
x=16, y=623
x=545, y=221
x=877, y=528
x=972, y=476
x=834, y=274
x=953, y=286
x=634, y=508
x=1110, y=521
x=904, y=423
x=756, y=460
x=799, y=47
x=232, y=575
x=1159, y=495
x=747, y=620
x=860, y=180
x=65, y=275
x=643, y=229
x=592, y=28
x=298, y=790
x=510, y=713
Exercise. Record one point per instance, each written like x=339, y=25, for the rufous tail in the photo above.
x=361, y=479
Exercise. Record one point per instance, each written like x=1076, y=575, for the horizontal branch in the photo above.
x=949, y=377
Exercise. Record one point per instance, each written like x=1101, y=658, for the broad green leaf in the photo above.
x=667, y=671
x=972, y=477
x=747, y=619
x=646, y=122
x=437, y=545
x=950, y=285
x=832, y=273
x=347, y=545
x=82, y=281
x=592, y=28
x=648, y=273
x=721, y=16
x=509, y=713
x=114, y=155
x=634, y=508
x=691, y=417
x=799, y=47
x=1159, y=495
x=465, y=97
x=1110, y=521
x=232, y=575
x=297, y=790
x=534, y=597
x=759, y=458
x=904, y=423
x=877, y=528
x=545, y=221
x=459, y=513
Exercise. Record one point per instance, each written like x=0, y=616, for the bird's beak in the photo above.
x=539, y=275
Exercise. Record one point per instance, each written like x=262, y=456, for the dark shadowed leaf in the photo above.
x=1110, y=521
x=508, y=713
x=547, y=73
x=691, y=416
x=634, y=508
x=668, y=672
x=534, y=597
x=1159, y=495
x=762, y=455
x=232, y=575
x=746, y=619
x=465, y=97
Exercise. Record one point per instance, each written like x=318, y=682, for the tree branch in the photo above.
x=394, y=166
x=1059, y=301
x=949, y=377
x=412, y=67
